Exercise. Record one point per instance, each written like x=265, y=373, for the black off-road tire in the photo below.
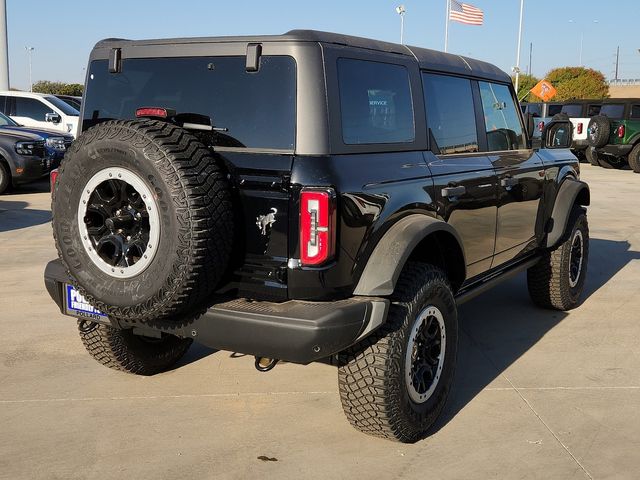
x=195, y=218
x=611, y=163
x=122, y=350
x=371, y=375
x=549, y=281
x=634, y=158
x=598, y=131
x=592, y=156
x=5, y=177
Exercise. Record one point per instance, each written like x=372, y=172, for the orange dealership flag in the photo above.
x=544, y=90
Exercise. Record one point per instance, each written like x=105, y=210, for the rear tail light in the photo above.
x=579, y=129
x=53, y=178
x=540, y=126
x=621, y=131
x=317, y=226
x=156, y=112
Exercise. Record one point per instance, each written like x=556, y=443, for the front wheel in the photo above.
x=5, y=177
x=634, y=158
x=557, y=280
x=124, y=351
x=592, y=156
x=395, y=383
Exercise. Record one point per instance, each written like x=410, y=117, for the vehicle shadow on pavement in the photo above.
x=14, y=215
x=498, y=327
x=195, y=353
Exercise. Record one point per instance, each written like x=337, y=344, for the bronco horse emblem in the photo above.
x=265, y=221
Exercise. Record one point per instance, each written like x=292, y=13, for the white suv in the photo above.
x=39, y=110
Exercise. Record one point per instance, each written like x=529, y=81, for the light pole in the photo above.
x=29, y=52
x=516, y=69
x=401, y=11
x=581, y=39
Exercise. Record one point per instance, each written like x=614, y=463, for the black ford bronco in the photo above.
x=306, y=197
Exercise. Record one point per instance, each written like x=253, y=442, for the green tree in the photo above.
x=58, y=88
x=526, y=83
x=575, y=83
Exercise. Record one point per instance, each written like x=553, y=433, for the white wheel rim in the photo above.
x=150, y=208
x=429, y=314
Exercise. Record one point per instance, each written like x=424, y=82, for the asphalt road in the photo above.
x=538, y=394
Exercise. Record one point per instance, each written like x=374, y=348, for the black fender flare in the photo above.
x=571, y=191
x=383, y=267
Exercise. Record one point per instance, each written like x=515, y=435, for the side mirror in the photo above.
x=52, y=118
x=557, y=134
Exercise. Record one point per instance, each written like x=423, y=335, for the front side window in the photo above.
x=375, y=102
x=504, y=129
x=251, y=109
x=534, y=109
x=31, y=108
x=450, y=114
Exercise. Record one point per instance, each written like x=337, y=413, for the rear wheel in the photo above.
x=592, y=156
x=634, y=158
x=124, y=351
x=395, y=383
x=611, y=163
x=5, y=177
x=557, y=280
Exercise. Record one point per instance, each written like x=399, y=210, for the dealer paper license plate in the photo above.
x=77, y=306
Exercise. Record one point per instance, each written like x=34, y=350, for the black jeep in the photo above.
x=306, y=197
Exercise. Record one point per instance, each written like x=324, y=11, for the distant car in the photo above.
x=75, y=102
x=28, y=154
x=39, y=110
x=614, y=134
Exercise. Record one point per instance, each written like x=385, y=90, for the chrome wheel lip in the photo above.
x=429, y=311
x=135, y=181
x=577, y=239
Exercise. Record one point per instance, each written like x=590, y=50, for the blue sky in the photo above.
x=64, y=31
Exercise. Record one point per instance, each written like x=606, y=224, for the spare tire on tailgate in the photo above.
x=598, y=131
x=142, y=219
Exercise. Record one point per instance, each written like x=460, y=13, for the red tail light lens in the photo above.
x=53, y=178
x=621, y=131
x=579, y=129
x=540, y=126
x=317, y=226
x=157, y=112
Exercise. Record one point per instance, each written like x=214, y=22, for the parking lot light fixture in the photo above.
x=582, y=38
x=401, y=10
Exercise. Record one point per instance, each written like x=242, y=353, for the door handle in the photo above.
x=453, y=191
x=509, y=182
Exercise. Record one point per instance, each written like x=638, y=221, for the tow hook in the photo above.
x=264, y=364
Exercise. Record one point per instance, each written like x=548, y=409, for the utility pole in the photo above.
x=4, y=50
x=617, y=61
x=517, y=67
x=29, y=52
x=530, y=55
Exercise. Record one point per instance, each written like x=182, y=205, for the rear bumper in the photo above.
x=295, y=331
x=615, y=150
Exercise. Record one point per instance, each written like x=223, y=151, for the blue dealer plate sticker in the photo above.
x=77, y=306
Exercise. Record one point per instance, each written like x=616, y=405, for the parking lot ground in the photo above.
x=538, y=394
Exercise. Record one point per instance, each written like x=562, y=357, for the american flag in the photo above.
x=465, y=13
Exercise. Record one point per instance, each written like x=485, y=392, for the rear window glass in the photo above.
x=256, y=109
x=554, y=110
x=614, y=110
x=534, y=109
x=375, y=102
x=574, y=110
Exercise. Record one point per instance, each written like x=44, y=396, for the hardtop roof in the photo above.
x=426, y=58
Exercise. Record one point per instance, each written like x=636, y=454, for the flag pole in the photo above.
x=446, y=27
x=519, y=45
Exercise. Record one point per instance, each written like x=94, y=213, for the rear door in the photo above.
x=519, y=171
x=464, y=179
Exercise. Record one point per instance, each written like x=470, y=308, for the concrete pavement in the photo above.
x=538, y=394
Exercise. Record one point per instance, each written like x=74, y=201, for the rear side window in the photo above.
x=450, y=113
x=593, y=110
x=573, y=110
x=612, y=110
x=554, y=110
x=504, y=129
x=255, y=109
x=375, y=102
x=31, y=108
x=635, y=111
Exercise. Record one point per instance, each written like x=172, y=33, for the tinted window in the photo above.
x=258, y=109
x=635, y=111
x=450, y=113
x=3, y=103
x=593, y=110
x=504, y=129
x=574, y=110
x=63, y=106
x=31, y=108
x=534, y=109
x=614, y=110
x=554, y=110
x=6, y=121
x=375, y=102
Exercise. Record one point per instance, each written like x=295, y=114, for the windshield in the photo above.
x=6, y=121
x=613, y=110
x=255, y=109
x=74, y=102
x=64, y=107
